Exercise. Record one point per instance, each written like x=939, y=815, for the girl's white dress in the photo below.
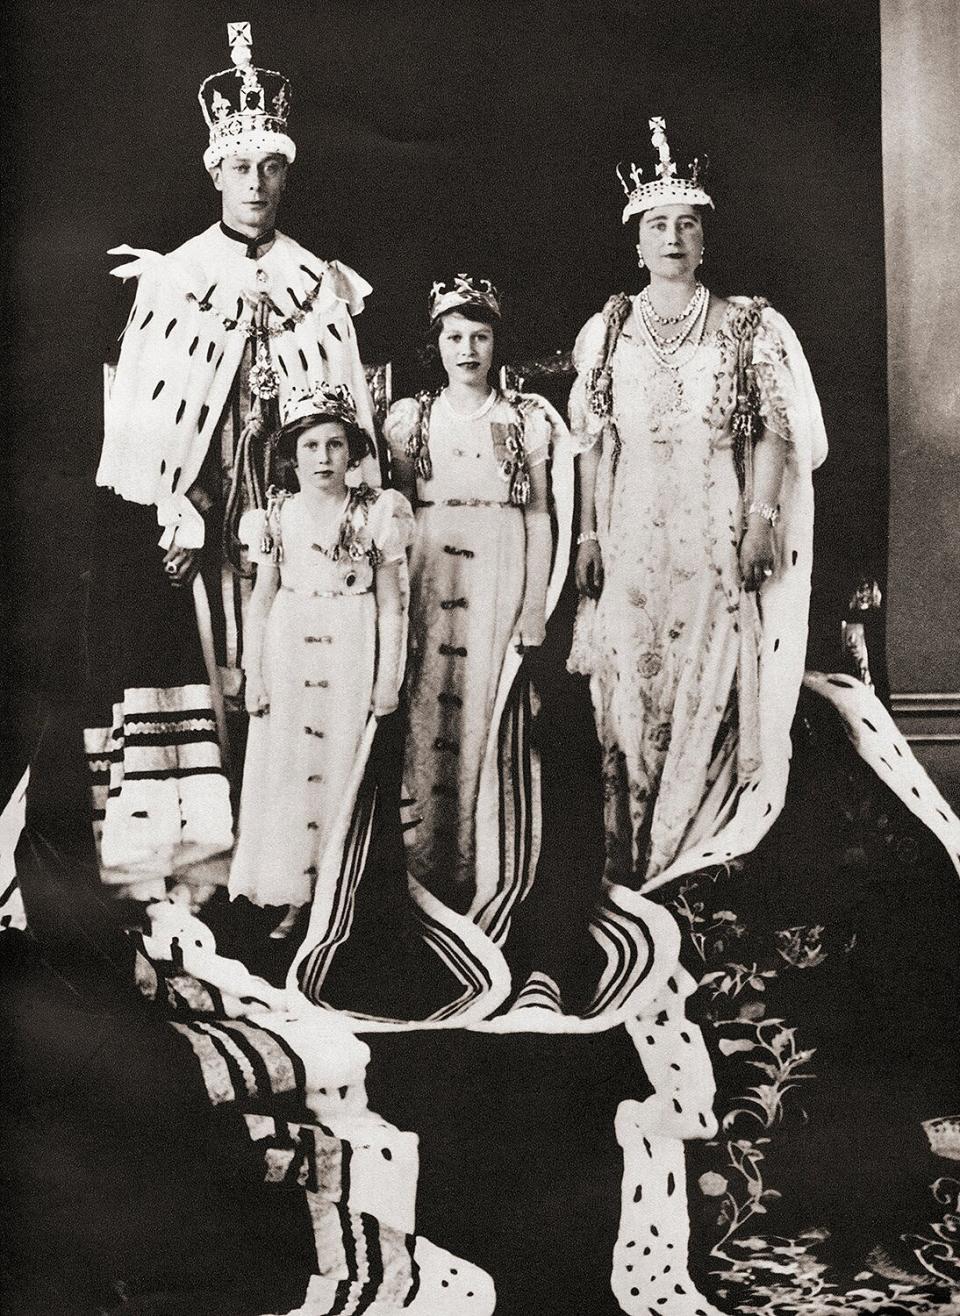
x=467, y=576
x=319, y=663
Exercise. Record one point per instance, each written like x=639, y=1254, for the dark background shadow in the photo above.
x=432, y=138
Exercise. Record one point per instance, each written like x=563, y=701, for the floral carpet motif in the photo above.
x=827, y=963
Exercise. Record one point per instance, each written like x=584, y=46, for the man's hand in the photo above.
x=181, y=565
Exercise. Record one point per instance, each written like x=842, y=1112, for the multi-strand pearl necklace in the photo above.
x=665, y=349
x=693, y=303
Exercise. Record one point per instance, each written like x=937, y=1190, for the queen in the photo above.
x=697, y=427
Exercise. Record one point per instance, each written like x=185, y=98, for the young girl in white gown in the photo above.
x=476, y=462
x=323, y=649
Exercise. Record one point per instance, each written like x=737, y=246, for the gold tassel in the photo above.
x=423, y=464
x=520, y=486
x=418, y=445
x=246, y=482
x=600, y=391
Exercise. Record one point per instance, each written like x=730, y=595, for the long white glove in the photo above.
x=391, y=633
x=530, y=630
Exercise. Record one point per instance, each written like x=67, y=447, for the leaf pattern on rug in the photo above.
x=782, y=942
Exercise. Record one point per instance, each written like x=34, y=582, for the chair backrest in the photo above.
x=380, y=383
x=557, y=366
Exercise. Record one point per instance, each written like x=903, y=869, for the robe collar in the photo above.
x=254, y=246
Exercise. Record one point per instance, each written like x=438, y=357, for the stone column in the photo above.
x=921, y=173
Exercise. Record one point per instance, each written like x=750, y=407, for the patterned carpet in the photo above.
x=830, y=980
x=829, y=1002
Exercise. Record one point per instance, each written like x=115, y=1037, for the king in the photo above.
x=223, y=331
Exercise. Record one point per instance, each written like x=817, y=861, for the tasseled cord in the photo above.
x=747, y=424
x=514, y=468
x=747, y=421
x=417, y=445
x=520, y=486
x=271, y=542
x=600, y=378
x=746, y=416
x=248, y=479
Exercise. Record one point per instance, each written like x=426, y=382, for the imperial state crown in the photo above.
x=245, y=107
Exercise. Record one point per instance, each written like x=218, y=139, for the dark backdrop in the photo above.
x=435, y=137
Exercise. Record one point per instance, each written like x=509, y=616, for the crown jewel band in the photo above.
x=245, y=108
x=669, y=186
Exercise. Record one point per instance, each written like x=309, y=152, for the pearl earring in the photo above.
x=639, y=256
x=702, y=252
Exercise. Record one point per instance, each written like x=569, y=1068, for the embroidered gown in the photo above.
x=319, y=662
x=673, y=643
x=467, y=580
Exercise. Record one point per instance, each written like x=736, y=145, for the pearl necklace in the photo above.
x=469, y=415
x=662, y=354
x=670, y=343
x=648, y=306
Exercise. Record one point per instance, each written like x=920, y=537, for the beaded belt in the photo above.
x=326, y=593
x=465, y=502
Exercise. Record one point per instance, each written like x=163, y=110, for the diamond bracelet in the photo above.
x=769, y=513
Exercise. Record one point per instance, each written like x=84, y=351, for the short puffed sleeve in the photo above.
x=586, y=426
x=401, y=424
x=391, y=525
x=251, y=534
x=789, y=404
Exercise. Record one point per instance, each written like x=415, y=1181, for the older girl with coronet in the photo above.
x=483, y=467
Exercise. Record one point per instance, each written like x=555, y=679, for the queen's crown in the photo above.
x=668, y=186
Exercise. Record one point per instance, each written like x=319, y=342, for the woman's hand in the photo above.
x=529, y=632
x=758, y=553
x=589, y=569
x=255, y=697
x=180, y=565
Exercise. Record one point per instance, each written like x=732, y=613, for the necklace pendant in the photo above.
x=264, y=380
